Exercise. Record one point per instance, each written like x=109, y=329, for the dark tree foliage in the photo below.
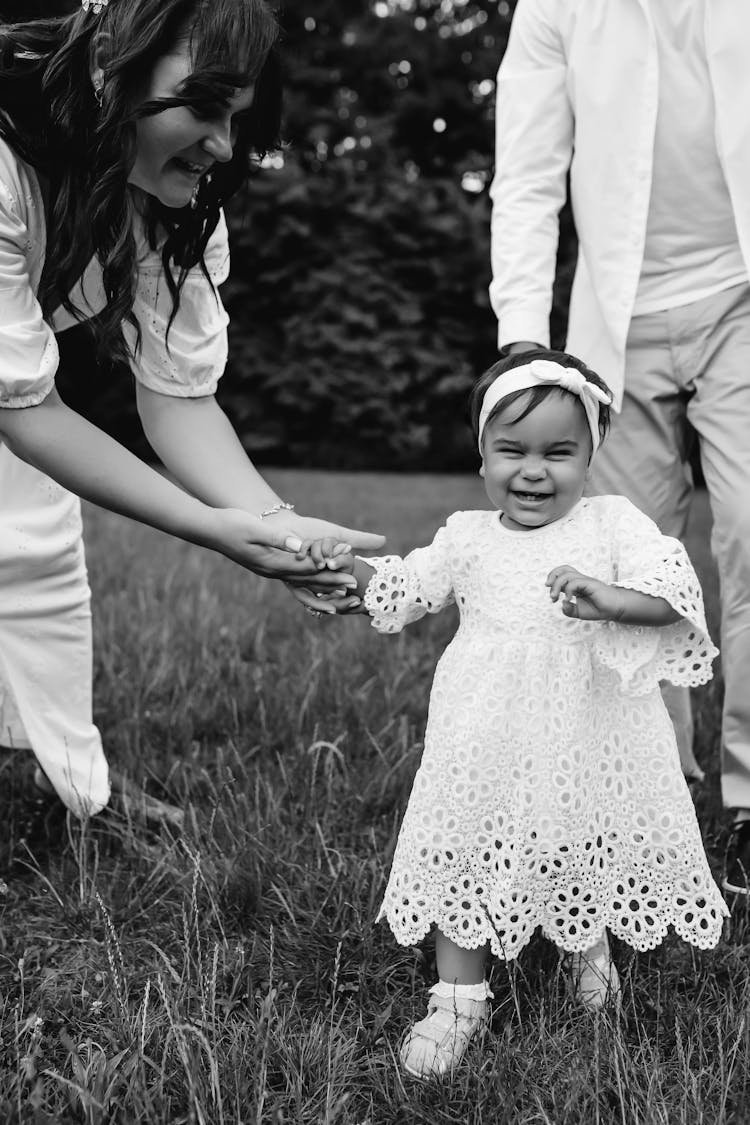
x=16, y=10
x=358, y=293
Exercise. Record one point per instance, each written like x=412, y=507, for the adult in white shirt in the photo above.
x=644, y=104
x=123, y=129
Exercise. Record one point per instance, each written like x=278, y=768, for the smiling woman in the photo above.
x=123, y=130
x=175, y=148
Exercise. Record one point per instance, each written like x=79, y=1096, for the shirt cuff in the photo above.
x=33, y=398
x=173, y=388
x=523, y=325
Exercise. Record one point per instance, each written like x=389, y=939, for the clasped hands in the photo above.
x=280, y=546
x=333, y=557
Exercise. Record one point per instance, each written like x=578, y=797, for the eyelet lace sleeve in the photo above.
x=404, y=589
x=655, y=564
x=189, y=361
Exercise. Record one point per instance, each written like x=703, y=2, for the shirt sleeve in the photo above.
x=404, y=589
x=533, y=150
x=28, y=350
x=655, y=564
x=188, y=361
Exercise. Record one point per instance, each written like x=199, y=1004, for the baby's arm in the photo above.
x=396, y=591
x=588, y=599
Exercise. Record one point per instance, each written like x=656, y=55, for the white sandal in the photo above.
x=435, y=1045
x=593, y=976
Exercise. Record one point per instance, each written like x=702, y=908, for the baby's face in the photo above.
x=535, y=469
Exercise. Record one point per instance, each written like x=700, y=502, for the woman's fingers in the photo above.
x=329, y=604
x=349, y=604
x=360, y=540
x=271, y=563
x=268, y=547
x=308, y=599
x=322, y=581
x=313, y=528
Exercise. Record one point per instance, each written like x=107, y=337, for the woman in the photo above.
x=123, y=130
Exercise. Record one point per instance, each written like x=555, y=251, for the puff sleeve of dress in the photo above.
x=404, y=589
x=189, y=361
x=28, y=349
x=655, y=564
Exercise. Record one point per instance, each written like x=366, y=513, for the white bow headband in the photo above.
x=544, y=373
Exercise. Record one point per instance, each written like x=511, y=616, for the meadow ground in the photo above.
x=231, y=971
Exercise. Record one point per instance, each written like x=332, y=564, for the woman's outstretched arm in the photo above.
x=197, y=443
x=199, y=446
x=85, y=460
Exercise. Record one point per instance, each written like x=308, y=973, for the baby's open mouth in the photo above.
x=532, y=496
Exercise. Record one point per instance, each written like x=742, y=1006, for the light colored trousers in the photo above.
x=688, y=369
x=45, y=635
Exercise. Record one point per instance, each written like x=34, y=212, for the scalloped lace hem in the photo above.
x=702, y=937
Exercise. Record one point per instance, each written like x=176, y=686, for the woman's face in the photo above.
x=175, y=148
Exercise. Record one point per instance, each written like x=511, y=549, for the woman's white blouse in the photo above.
x=187, y=364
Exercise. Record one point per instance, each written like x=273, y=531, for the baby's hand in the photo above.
x=327, y=554
x=584, y=598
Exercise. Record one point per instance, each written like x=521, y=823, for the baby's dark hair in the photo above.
x=536, y=395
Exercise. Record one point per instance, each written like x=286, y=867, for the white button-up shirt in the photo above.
x=578, y=91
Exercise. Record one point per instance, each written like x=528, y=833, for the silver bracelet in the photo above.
x=281, y=506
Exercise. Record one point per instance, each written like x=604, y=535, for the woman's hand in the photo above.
x=310, y=528
x=338, y=601
x=270, y=548
x=326, y=548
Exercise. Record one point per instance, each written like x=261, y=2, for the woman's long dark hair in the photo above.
x=50, y=117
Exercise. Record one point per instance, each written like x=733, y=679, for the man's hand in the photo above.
x=519, y=346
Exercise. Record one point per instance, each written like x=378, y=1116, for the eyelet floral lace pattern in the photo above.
x=550, y=793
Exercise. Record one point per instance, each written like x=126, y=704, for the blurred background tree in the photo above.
x=360, y=252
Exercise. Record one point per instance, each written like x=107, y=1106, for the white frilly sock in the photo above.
x=449, y=991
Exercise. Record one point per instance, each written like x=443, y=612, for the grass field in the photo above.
x=231, y=972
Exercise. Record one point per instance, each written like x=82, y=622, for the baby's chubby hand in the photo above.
x=585, y=598
x=327, y=554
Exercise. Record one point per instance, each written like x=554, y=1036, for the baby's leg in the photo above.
x=456, y=1011
x=457, y=965
x=593, y=975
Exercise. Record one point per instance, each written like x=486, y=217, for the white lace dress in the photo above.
x=550, y=792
